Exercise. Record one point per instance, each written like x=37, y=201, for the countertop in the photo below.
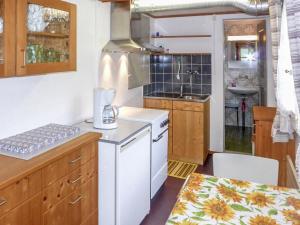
x=126, y=129
x=176, y=97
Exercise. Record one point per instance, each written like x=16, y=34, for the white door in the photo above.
x=134, y=180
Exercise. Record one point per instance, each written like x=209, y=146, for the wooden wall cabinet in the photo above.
x=39, y=37
x=188, y=128
x=61, y=186
x=264, y=146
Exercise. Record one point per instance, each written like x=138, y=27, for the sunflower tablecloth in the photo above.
x=211, y=200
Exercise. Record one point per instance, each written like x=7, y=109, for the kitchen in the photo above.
x=68, y=98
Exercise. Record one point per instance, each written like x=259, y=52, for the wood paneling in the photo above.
x=21, y=190
x=188, y=106
x=62, y=187
x=264, y=146
x=28, y=213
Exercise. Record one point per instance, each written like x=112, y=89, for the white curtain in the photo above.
x=286, y=121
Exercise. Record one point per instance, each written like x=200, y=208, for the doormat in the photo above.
x=180, y=169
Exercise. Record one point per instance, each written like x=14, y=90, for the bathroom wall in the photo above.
x=169, y=72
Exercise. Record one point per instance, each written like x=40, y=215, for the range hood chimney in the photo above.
x=121, y=40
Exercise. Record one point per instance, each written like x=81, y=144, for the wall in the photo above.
x=28, y=102
x=210, y=25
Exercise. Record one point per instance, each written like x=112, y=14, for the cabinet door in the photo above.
x=46, y=33
x=28, y=213
x=188, y=136
x=7, y=38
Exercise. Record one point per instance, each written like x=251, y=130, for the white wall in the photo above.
x=29, y=102
x=211, y=25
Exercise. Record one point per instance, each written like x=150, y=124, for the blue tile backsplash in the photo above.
x=164, y=70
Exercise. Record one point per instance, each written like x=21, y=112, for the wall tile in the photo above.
x=206, y=59
x=167, y=68
x=164, y=69
x=196, y=59
x=206, y=79
x=186, y=59
x=206, y=69
x=159, y=78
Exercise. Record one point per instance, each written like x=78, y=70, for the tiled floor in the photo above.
x=237, y=140
x=163, y=202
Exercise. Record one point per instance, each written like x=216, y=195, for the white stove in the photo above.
x=159, y=147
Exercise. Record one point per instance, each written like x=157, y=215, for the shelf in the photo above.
x=46, y=34
x=183, y=36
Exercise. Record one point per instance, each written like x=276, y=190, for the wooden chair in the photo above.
x=291, y=175
x=246, y=167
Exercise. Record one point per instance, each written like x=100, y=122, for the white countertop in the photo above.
x=142, y=114
x=125, y=130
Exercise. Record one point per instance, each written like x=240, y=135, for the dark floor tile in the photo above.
x=238, y=140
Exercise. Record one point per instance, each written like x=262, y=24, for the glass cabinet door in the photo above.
x=48, y=38
x=7, y=38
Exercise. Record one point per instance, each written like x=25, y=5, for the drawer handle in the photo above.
x=2, y=201
x=76, y=180
x=75, y=160
x=76, y=200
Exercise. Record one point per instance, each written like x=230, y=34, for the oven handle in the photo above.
x=159, y=137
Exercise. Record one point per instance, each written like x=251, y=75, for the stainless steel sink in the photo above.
x=194, y=97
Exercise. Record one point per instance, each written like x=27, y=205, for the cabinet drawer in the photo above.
x=69, y=163
x=16, y=193
x=188, y=106
x=68, y=184
x=27, y=213
x=158, y=103
x=76, y=207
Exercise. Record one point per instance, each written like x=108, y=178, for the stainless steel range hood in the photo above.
x=125, y=31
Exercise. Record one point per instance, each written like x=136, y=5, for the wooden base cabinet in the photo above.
x=188, y=128
x=60, y=189
x=264, y=146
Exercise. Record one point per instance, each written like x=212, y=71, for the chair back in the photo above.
x=246, y=167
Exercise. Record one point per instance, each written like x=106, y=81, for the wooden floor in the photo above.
x=164, y=201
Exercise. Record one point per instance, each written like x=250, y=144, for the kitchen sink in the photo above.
x=194, y=97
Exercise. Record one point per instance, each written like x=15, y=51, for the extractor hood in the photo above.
x=126, y=34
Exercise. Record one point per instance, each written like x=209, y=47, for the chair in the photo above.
x=246, y=167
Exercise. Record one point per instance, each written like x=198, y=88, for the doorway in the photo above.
x=245, y=72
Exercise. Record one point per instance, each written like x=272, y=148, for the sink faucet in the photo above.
x=181, y=90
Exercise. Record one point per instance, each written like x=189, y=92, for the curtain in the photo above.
x=293, y=20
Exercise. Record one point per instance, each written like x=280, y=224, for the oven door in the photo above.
x=159, y=161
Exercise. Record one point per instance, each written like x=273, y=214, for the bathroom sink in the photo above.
x=243, y=90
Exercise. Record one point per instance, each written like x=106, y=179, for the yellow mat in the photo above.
x=180, y=169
